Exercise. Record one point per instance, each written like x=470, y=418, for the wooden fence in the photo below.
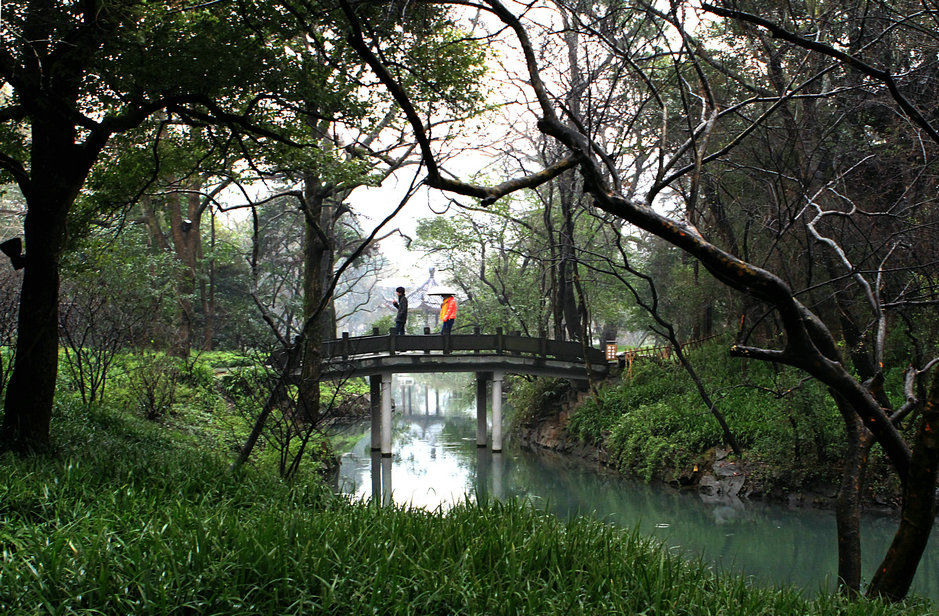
x=663, y=352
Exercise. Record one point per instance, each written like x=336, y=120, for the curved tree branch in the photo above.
x=845, y=58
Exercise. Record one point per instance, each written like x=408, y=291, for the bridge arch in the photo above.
x=489, y=356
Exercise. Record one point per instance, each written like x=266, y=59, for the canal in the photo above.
x=436, y=463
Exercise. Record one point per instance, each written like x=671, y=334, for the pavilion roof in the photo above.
x=419, y=299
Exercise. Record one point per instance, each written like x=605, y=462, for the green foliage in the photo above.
x=654, y=424
x=384, y=323
x=350, y=387
x=153, y=379
x=531, y=399
x=650, y=382
x=658, y=438
x=131, y=518
x=227, y=359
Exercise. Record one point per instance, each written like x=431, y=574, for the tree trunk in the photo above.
x=208, y=295
x=315, y=247
x=554, y=286
x=186, y=231
x=918, y=511
x=848, y=505
x=58, y=173
x=567, y=269
x=31, y=389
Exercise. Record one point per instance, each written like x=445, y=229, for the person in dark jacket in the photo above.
x=402, y=305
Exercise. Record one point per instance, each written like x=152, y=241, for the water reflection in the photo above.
x=436, y=463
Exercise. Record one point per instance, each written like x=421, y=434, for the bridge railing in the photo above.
x=499, y=343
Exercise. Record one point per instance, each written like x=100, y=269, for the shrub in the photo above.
x=654, y=423
x=649, y=382
x=531, y=399
x=153, y=379
x=661, y=437
x=250, y=383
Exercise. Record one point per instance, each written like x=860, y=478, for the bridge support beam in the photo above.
x=482, y=378
x=386, y=481
x=386, y=415
x=497, y=411
x=374, y=396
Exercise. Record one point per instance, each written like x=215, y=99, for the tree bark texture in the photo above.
x=918, y=511
x=848, y=503
x=315, y=247
x=55, y=181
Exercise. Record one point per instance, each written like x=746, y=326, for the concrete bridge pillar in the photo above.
x=386, y=481
x=374, y=395
x=497, y=411
x=386, y=415
x=381, y=479
x=481, y=403
x=376, y=476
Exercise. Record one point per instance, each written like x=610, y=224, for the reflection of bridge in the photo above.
x=490, y=356
x=490, y=470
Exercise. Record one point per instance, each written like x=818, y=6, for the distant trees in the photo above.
x=506, y=261
x=115, y=297
x=484, y=255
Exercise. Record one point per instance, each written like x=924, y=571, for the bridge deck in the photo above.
x=510, y=353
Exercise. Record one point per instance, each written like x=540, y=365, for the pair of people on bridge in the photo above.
x=447, y=312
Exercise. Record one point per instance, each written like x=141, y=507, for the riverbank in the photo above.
x=717, y=474
x=651, y=424
x=137, y=517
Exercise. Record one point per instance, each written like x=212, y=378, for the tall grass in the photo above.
x=128, y=519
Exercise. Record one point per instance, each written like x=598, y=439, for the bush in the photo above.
x=531, y=399
x=654, y=423
x=153, y=379
x=650, y=382
x=659, y=438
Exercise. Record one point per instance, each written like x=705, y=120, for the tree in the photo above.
x=675, y=63
x=80, y=74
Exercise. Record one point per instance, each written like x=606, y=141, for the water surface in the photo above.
x=436, y=463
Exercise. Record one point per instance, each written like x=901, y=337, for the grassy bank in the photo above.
x=134, y=517
x=654, y=424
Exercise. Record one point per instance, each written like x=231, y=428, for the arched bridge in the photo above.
x=490, y=356
x=508, y=353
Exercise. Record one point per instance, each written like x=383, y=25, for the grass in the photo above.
x=130, y=519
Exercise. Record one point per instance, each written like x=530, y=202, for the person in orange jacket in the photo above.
x=447, y=313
